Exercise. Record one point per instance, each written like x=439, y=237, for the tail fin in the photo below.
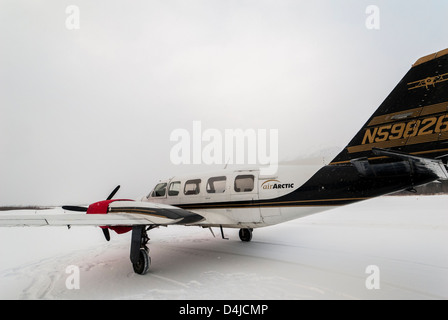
x=414, y=117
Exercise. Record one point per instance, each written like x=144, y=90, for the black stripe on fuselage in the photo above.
x=174, y=214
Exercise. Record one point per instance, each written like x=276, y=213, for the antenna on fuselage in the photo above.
x=225, y=166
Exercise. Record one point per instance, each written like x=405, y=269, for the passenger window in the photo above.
x=159, y=190
x=174, y=188
x=192, y=187
x=244, y=183
x=216, y=185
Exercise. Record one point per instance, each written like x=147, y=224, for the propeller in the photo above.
x=75, y=208
x=84, y=209
x=106, y=233
x=113, y=192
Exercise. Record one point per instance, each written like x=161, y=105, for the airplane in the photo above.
x=402, y=145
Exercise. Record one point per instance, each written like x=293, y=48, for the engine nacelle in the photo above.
x=102, y=207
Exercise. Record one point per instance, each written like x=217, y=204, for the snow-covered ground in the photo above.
x=325, y=256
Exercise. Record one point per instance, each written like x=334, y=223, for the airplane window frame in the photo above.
x=213, y=180
x=155, y=192
x=197, y=189
x=171, y=192
x=241, y=177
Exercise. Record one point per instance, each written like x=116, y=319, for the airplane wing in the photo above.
x=107, y=213
x=118, y=215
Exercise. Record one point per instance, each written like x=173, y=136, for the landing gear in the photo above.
x=245, y=234
x=139, y=251
x=143, y=263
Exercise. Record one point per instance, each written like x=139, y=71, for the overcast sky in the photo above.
x=83, y=110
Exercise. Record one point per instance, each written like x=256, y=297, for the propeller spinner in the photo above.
x=84, y=209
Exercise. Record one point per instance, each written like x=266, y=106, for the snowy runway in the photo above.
x=324, y=256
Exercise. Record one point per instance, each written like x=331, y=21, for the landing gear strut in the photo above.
x=245, y=234
x=139, y=250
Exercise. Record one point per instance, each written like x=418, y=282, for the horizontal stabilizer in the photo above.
x=420, y=164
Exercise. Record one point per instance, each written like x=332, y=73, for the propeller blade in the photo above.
x=75, y=208
x=106, y=233
x=113, y=193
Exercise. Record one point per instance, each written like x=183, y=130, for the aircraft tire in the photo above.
x=245, y=235
x=144, y=261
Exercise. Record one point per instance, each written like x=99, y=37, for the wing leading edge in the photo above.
x=118, y=213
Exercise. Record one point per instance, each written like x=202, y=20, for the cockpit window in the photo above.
x=216, y=184
x=174, y=188
x=244, y=183
x=192, y=187
x=159, y=190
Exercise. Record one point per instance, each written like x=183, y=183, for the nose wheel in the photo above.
x=245, y=234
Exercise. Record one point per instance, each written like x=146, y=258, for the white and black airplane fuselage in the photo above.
x=239, y=198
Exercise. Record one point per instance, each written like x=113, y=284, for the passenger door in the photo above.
x=244, y=194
